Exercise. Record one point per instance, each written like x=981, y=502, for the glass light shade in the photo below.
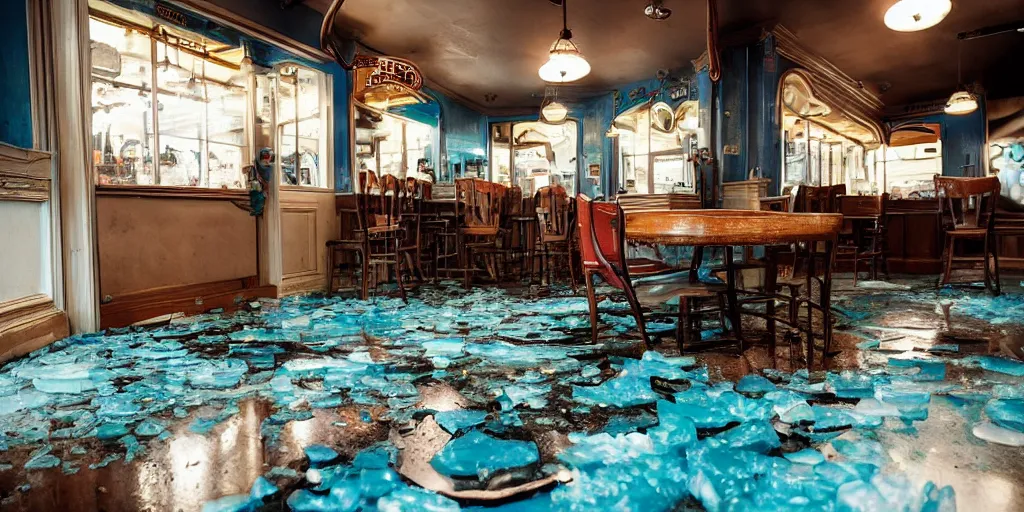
x=565, y=63
x=914, y=15
x=612, y=133
x=554, y=113
x=961, y=102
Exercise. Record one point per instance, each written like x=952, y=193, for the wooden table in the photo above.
x=745, y=228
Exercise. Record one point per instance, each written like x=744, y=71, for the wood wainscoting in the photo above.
x=29, y=323
x=163, y=250
x=308, y=221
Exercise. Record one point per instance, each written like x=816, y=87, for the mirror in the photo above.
x=663, y=118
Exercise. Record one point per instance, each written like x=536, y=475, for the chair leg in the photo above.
x=572, y=268
x=950, y=245
x=638, y=313
x=987, y=271
x=365, y=278
x=588, y=277
x=330, y=271
x=995, y=259
x=683, y=328
x=468, y=269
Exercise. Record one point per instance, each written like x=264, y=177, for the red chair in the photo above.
x=602, y=244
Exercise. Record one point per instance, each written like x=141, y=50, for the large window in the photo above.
x=534, y=155
x=814, y=155
x=389, y=144
x=652, y=160
x=193, y=128
x=909, y=171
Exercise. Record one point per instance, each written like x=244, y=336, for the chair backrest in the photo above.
x=600, y=227
x=968, y=202
x=553, y=213
x=481, y=203
x=818, y=199
x=389, y=212
x=365, y=204
x=861, y=206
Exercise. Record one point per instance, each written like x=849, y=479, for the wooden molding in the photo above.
x=29, y=323
x=701, y=62
x=190, y=299
x=25, y=174
x=230, y=19
x=159, y=191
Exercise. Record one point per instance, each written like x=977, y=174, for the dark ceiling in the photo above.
x=477, y=48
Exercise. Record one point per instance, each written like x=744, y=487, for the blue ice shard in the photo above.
x=477, y=454
x=410, y=499
x=463, y=419
x=1007, y=413
x=996, y=364
x=320, y=455
x=862, y=450
x=806, y=456
x=755, y=385
x=603, y=449
x=232, y=503
x=755, y=436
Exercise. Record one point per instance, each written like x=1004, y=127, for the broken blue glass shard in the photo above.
x=410, y=499
x=457, y=421
x=944, y=348
x=996, y=364
x=755, y=436
x=232, y=503
x=995, y=434
x=262, y=489
x=928, y=370
x=44, y=461
x=374, y=483
x=1007, y=413
x=110, y=431
x=861, y=450
x=755, y=385
x=319, y=454
x=806, y=456
x=149, y=428
x=340, y=499
x=478, y=454
x=105, y=461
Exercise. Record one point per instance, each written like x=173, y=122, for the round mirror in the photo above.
x=663, y=118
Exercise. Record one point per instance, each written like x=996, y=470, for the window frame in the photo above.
x=326, y=157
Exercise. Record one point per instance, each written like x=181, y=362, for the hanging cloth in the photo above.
x=714, y=62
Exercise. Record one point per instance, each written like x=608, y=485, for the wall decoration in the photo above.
x=681, y=90
x=594, y=170
x=389, y=70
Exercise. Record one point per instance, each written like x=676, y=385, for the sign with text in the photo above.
x=389, y=71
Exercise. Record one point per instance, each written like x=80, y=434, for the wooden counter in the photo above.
x=635, y=202
x=915, y=236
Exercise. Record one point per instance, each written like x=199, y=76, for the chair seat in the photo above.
x=658, y=290
x=355, y=244
x=479, y=231
x=969, y=232
x=384, y=229
x=640, y=267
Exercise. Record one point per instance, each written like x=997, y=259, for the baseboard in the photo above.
x=302, y=284
x=28, y=324
x=189, y=299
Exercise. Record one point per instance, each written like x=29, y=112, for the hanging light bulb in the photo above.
x=565, y=62
x=962, y=101
x=554, y=113
x=914, y=15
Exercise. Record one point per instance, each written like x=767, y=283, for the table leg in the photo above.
x=811, y=264
x=734, y=308
x=826, y=302
x=771, y=275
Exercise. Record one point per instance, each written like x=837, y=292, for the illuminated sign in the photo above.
x=388, y=70
x=171, y=15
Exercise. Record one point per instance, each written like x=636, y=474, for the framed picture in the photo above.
x=595, y=170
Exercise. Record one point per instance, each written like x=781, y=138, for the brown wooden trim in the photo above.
x=189, y=299
x=300, y=188
x=25, y=174
x=228, y=18
x=162, y=192
x=29, y=323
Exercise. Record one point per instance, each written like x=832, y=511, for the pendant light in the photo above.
x=565, y=62
x=962, y=101
x=553, y=111
x=914, y=15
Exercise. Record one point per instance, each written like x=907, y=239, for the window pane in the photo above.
x=418, y=138
x=181, y=138
x=544, y=154
x=670, y=174
x=289, y=174
x=122, y=121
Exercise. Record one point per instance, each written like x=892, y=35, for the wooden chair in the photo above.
x=602, y=235
x=479, y=224
x=384, y=231
x=554, y=221
x=413, y=195
x=967, y=209
x=356, y=246
x=864, y=235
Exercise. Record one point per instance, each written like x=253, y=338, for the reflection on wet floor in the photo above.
x=195, y=412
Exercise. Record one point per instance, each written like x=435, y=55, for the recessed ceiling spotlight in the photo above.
x=656, y=11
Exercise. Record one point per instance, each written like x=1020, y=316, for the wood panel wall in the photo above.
x=167, y=253
x=308, y=220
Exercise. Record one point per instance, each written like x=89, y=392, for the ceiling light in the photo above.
x=565, y=62
x=554, y=113
x=656, y=11
x=612, y=133
x=914, y=15
x=961, y=102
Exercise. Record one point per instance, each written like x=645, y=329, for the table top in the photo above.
x=730, y=227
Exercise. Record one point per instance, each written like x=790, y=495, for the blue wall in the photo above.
x=963, y=138
x=16, y=94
